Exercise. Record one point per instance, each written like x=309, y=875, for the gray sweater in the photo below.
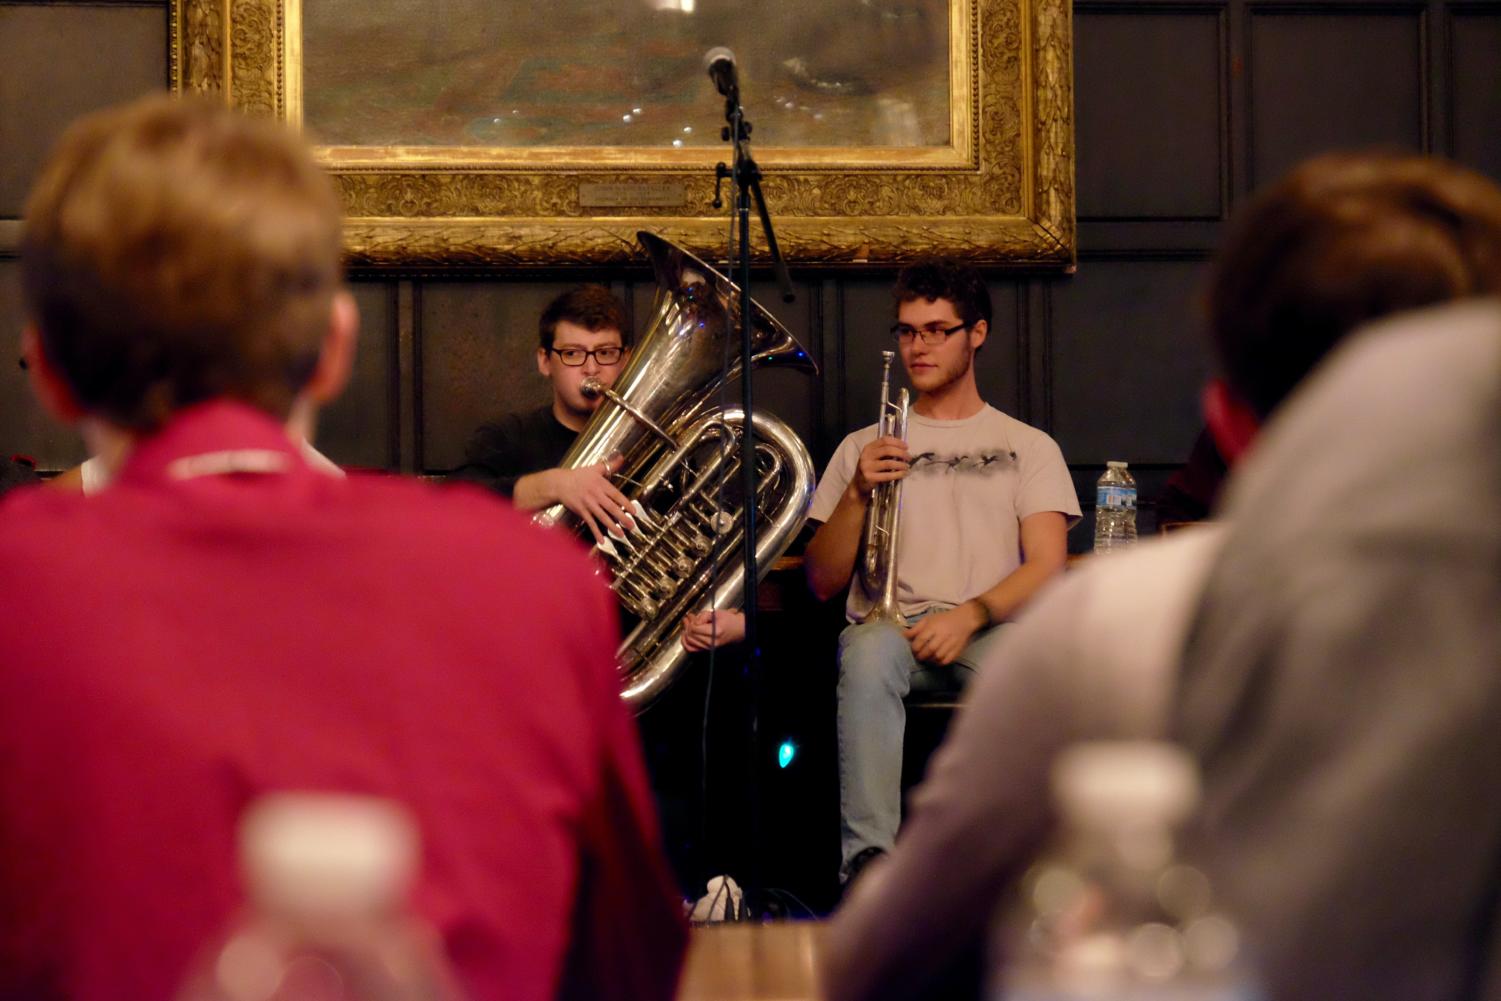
x=1342, y=683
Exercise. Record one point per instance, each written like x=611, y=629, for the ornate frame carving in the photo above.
x=1002, y=193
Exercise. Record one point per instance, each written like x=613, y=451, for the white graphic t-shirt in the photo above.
x=972, y=482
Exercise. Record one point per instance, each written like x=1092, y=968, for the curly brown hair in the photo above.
x=945, y=278
x=592, y=307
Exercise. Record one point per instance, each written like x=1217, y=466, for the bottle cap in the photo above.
x=1116, y=464
x=1112, y=784
x=325, y=854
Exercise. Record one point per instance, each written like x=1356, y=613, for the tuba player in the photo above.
x=986, y=506
x=582, y=334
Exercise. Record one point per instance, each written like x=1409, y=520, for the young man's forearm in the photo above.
x=1017, y=588
x=830, y=557
x=1045, y=553
x=534, y=491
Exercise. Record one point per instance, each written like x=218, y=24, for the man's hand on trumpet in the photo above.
x=883, y=460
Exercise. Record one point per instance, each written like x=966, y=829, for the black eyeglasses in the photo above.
x=574, y=357
x=930, y=335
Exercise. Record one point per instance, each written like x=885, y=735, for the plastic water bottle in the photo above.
x=1115, y=509
x=1113, y=914
x=327, y=879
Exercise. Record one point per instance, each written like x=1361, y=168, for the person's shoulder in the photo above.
x=1141, y=570
x=1396, y=427
x=1019, y=431
x=539, y=418
x=464, y=521
x=38, y=524
x=513, y=427
x=1121, y=621
x=33, y=505
x=859, y=438
x=1153, y=561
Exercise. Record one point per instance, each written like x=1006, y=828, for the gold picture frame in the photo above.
x=999, y=192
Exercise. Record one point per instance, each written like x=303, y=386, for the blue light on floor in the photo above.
x=786, y=753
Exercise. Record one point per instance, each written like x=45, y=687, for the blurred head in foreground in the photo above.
x=177, y=252
x=1341, y=240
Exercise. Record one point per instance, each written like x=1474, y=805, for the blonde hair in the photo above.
x=177, y=251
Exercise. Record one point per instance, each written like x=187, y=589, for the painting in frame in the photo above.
x=506, y=133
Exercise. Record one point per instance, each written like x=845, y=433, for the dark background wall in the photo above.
x=1183, y=107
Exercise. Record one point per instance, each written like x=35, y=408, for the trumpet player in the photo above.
x=986, y=502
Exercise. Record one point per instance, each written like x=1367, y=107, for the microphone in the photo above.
x=720, y=63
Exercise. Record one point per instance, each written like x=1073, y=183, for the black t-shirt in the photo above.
x=500, y=453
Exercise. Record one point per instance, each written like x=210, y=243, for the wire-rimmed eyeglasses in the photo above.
x=610, y=354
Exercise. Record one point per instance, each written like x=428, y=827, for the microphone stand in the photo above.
x=746, y=177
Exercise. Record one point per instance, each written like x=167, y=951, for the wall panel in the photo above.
x=1127, y=361
x=24, y=428
x=58, y=61
x=1149, y=91
x=1346, y=78
x=359, y=428
x=1475, y=76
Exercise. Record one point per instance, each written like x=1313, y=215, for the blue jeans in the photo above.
x=876, y=672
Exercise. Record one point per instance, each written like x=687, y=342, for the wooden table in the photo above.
x=746, y=961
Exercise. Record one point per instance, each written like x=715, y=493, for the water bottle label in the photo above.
x=1116, y=498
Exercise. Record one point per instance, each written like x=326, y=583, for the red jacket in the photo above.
x=193, y=637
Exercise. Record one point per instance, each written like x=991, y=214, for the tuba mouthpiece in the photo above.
x=592, y=388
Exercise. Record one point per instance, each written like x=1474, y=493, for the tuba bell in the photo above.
x=680, y=465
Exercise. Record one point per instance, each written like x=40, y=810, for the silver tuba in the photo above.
x=681, y=465
x=881, y=531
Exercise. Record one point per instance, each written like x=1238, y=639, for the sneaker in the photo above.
x=724, y=901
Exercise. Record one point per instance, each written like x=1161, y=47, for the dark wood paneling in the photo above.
x=1127, y=361
x=1475, y=80
x=477, y=349
x=58, y=61
x=1149, y=91
x=1161, y=157
x=24, y=428
x=359, y=428
x=864, y=326
x=1351, y=77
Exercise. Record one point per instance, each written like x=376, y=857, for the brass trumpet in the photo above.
x=878, y=541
